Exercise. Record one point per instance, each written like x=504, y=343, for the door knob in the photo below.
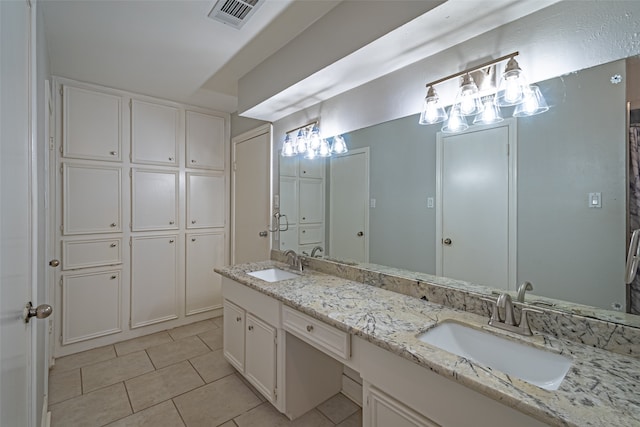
x=447, y=241
x=54, y=263
x=40, y=312
x=360, y=234
x=263, y=234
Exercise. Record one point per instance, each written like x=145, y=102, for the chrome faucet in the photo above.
x=294, y=260
x=508, y=323
x=522, y=289
x=314, y=250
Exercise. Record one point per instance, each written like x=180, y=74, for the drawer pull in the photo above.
x=193, y=239
x=113, y=245
x=171, y=222
x=113, y=224
x=193, y=161
x=114, y=277
x=171, y=159
x=114, y=153
x=238, y=319
x=171, y=241
x=250, y=327
x=193, y=221
x=309, y=328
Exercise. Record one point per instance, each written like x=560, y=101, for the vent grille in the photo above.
x=234, y=13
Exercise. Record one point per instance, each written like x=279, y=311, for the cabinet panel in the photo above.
x=203, y=285
x=260, y=356
x=205, y=141
x=289, y=199
x=311, y=201
x=92, y=125
x=326, y=338
x=91, y=304
x=312, y=168
x=91, y=199
x=310, y=234
x=154, y=291
x=383, y=411
x=154, y=200
x=205, y=200
x=91, y=253
x=154, y=133
x=289, y=166
x=233, y=334
x=289, y=239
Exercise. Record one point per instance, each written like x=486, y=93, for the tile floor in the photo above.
x=173, y=378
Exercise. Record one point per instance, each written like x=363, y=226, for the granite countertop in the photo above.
x=601, y=388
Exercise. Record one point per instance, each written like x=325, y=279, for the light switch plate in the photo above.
x=430, y=202
x=595, y=200
x=372, y=203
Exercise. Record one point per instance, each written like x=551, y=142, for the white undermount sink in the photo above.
x=273, y=275
x=538, y=367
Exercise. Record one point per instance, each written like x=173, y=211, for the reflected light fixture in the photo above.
x=339, y=146
x=484, y=104
x=309, y=143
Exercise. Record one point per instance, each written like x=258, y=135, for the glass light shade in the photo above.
x=490, y=114
x=456, y=122
x=301, y=141
x=310, y=154
x=512, y=85
x=324, y=150
x=432, y=111
x=532, y=104
x=288, y=148
x=467, y=99
x=314, y=138
x=339, y=146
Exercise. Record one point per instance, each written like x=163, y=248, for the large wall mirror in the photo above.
x=570, y=250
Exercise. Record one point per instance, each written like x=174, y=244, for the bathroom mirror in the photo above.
x=568, y=249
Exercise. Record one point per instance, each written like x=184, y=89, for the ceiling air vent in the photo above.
x=234, y=12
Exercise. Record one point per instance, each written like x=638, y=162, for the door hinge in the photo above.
x=60, y=338
x=61, y=227
x=52, y=144
x=234, y=166
x=60, y=281
x=61, y=91
x=275, y=393
x=130, y=173
x=61, y=168
x=60, y=149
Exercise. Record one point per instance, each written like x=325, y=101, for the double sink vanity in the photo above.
x=291, y=333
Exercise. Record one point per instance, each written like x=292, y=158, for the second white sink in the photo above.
x=272, y=275
x=539, y=367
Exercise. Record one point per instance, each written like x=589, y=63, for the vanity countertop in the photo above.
x=601, y=388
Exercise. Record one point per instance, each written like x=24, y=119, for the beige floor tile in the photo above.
x=64, y=385
x=229, y=424
x=192, y=329
x=266, y=415
x=354, y=420
x=94, y=409
x=163, y=415
x=115, y=370
x=152, y=388
x=212, y=366
x=218, y=321
x=176, y=351
x=85, y=358
x=251, y=387
x=216, y=403
x=338, y=408
x=212, y=338
x=142, y=343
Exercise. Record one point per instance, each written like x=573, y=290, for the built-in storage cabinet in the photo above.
x=205, y=141
x=154, y=133
x=204, y=251
x=91, y=199
x=205, y=205
x=260, y=356
x=311, y=201
x=91, y=253
x=154, y=200
x=154, y=279
x=311, y=168
x=93, y=125
x=233, y=334
x=92, y=305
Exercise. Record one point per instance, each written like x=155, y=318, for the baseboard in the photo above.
x=46, y=415
x=352, y=390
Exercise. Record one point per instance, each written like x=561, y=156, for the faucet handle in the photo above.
x=525, y=329
x=495, y=313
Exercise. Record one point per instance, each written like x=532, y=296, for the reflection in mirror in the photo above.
x=570, y=248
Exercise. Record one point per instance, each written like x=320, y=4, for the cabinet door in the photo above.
x=260, y=356
x=91, y=304
x=205, y=141
x=91, y=253
x=154, y=200
x=92, y=125
x=383, y=411
x=91, y=199
x=154, y=292
x=289, y=239
x=310, y=234
x=233, y=334
x=311, y=201
x=203, y=285
x=312, y=168
x=289, y=199
x=289, y=166
x=205, y=200
x=154, y=133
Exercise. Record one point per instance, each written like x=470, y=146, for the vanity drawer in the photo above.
x=310, y=234
x=91, y=253
x=320, y=335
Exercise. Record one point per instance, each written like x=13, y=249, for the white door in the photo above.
x=476, y=202
x=17, y=378
x=251, y=185
x=349, y=206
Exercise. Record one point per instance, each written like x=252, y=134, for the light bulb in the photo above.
x=301, y=141
x=456, y=122
x=288, y=149
x=432, y=111
x=339, y=145
x=314, y=138
x=512, y=90
x=324, y=150
x=467, y=104
x=490, y=114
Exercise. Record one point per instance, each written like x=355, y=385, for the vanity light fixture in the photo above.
x=484, y=104
x=307, y=142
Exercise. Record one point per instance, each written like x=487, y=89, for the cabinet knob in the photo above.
x=360, y=234
x=171, y=241
x=113, y=245
x=193, y=161
x=54, y=263
x=304, y=231
x=113, y=224
x=250, y=327
x=171, y=222
x=193, y=221
x=171, y=159
x=114, y=277
x=304, y=217
x=238, y=319
x=193, y=239
x=309, y=328
x=114, y=153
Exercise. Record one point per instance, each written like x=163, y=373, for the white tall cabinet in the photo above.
x=141, y=195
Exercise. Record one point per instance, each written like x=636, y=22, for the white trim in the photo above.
x=260, y=130
x=365, y=151
x=512, y=195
